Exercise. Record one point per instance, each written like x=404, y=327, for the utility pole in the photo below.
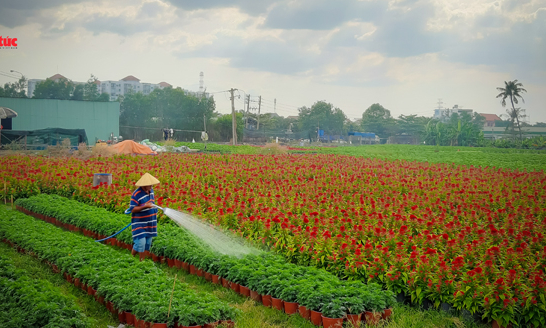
x=247, y=110
x=205, y=126
x=233, y=118
x=259, y=107
x=318, y=131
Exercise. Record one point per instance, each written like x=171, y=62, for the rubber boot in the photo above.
x=142, y=256
x=147, y=255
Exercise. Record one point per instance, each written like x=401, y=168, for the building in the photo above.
x=443, y=114
x=490, y=119
x=98, y=119
x=114, y=88
x=494, y=133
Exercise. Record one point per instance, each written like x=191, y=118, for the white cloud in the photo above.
x=351, y=53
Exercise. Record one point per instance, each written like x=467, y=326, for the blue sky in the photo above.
x=403, y=54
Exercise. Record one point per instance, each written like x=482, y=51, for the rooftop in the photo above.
x=130, y=78
x=58, y=77
x=491, y=117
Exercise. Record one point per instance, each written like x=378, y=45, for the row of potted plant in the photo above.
x=313, y=293
x=266, y=274
x=135, y=291
x=26, y=301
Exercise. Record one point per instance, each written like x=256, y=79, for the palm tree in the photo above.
x=513, y=90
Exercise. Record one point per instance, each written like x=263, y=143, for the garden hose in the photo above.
x=117, y=233
x=127, y=211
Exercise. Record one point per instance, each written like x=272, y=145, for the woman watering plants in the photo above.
x=143, y=216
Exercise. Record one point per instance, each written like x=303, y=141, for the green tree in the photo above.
x=49, y=89
x=165, y=108
x=91, y=91
x=412, y=125
x=460, y=130
x=513, y=90
x=221, y=128
x=378, y=119
x=14, y=89
x=324, y=116
x=77, y=94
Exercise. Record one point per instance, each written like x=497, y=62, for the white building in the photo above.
x=113, y=88
x=443, y=114
x=127, y=85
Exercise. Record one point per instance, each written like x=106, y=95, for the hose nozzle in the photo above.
x=159, y=207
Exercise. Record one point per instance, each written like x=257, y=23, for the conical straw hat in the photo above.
x=147, y=180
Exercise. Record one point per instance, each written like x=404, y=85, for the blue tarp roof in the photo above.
x=362, y=134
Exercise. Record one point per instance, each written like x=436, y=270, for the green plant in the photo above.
x=318, y=298
x=374, y=302
x=390, y=299
x=334, y=309
x=354, y=305
x=109, y=271
x=289, y=293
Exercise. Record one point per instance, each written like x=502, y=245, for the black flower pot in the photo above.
x=446, y=307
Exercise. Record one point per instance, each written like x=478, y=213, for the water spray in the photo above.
x=208, y=233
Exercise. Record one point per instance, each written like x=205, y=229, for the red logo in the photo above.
x=8, y=43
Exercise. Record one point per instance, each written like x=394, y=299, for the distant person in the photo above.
x=171, y=133
x=165, y=134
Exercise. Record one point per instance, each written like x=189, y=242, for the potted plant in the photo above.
x=289, y=295
x=315, y=302
x=390, y=301
x=354, y=308
x=333, y=314
x=499, y=309
x=264, y=289
x=374, y=302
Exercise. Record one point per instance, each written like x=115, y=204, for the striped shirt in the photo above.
x=144, y=223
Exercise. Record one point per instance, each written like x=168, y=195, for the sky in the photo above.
x=403, y=54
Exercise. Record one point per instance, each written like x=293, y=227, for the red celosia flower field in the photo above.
x=472, y=237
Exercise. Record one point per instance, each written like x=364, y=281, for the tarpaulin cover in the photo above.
x=131, y=147
x=39, y=139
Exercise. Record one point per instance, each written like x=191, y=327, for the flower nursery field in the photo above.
x=472, y=237
x=522, y=159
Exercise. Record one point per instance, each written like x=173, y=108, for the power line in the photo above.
x=10, y=76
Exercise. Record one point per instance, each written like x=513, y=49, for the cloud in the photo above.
x=404, y=33
x=519, y=49
x=18, y=13
x=151, y=9
x=269, y=55
x=248, y=6
x=114, y=24
x=398, y=32
x=321, y=14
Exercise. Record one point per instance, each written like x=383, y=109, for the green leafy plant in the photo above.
x=334, y=309
x=353, y=305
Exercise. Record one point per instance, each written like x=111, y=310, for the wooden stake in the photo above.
x=5, y=193
x=170, y=302
x=11, y=201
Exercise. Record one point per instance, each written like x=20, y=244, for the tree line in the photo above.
x=63, y=89
x=144, y=116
